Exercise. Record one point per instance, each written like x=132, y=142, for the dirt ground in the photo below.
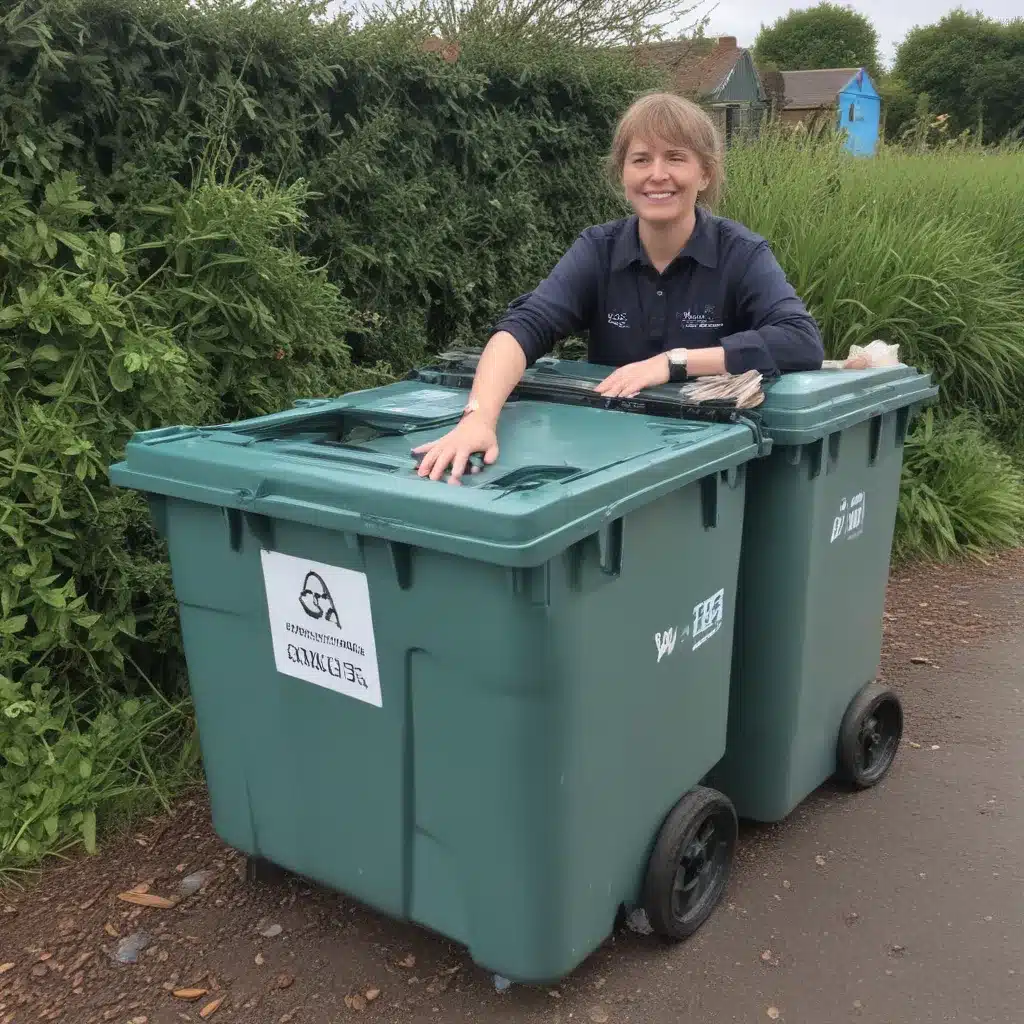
x=905, y=903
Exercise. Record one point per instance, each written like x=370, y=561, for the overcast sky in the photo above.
x=892, y=18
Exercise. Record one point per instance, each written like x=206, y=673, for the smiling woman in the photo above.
x=668, y=293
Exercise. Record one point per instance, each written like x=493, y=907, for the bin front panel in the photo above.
x=816, y=550
x=486, y=749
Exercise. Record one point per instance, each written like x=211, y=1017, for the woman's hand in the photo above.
x=474, y=433
x=629, y=380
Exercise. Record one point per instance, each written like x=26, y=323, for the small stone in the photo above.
x=39, y=971
x=372, y=995
x=357, y=1003
x=638, y=922
x=129, y=948
x=284, y=980
x=598, y=1014
x=259, y=960
x=935, y=746
x=857, y=1004
x=787, y=884
x=4, y=968
x=272, y=931
x=773, y=1012
x=191, y=884
x=766, y=956
x=820, y=861
x=501, y=984
x=408, y=962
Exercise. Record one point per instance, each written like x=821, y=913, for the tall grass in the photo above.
x=926, y=250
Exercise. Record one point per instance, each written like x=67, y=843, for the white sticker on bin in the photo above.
x=321, y=626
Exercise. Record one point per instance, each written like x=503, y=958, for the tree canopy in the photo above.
x=972, y=69
x=825, y=36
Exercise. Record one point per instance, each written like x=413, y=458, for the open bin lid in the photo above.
x=345, y=464
x=798, y=408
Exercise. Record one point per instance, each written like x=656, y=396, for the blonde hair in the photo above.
x=678, y=121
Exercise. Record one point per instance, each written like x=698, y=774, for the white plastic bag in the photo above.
x=866, y=357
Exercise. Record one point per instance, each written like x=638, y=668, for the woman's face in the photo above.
x=662, y=180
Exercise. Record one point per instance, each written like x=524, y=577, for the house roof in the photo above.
x=698, y=67
x=807, y=90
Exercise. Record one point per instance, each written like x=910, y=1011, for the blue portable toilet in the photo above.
x=860, y=114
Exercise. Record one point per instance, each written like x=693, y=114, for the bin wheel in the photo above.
x=689, y=868
x=870, y=736
x=262, y=871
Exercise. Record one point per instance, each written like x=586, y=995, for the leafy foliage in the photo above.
x=971, y=67
x=825, y=36
x=198, y=312
x=204, y=209
x=962, y=492
x=444, y=184
x=577, y=22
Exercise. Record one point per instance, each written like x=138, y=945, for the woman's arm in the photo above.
x=559, y=306
x=780, y=336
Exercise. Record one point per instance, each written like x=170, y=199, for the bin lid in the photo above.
x=798, y=407
x=346, y=464
x=803, y=407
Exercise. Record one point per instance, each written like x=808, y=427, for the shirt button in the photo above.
x=661, y=293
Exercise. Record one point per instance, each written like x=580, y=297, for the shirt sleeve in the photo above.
x=562, y=304
x=780, y=335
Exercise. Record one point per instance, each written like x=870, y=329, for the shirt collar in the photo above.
x=702, y=245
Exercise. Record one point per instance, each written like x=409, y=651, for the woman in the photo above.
x=669, y=293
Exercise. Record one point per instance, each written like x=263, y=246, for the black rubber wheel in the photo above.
x=870, y=736
x=259, y=870
x=689, y=868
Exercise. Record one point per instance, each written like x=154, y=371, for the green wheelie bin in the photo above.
x=817, y=538
x=484, y=708
x=821, y=509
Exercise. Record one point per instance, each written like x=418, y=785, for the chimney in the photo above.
x=728, y=42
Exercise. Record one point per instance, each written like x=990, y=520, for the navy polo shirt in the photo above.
x=725, y=288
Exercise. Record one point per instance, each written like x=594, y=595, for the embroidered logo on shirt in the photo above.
x=706, y=321
x=618, y=319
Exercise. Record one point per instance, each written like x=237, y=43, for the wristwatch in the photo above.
x=677, y=365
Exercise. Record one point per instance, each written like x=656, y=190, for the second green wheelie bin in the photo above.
x=484, y=708
x=817, y=537
x=821, y=510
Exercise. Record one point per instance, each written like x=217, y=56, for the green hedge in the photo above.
x=205, y=212
x=444, y=186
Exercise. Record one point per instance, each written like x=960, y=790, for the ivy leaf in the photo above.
x=120, y=378
x=116, y=243
x=47, y=353
x=16, y=756
x=15, y=624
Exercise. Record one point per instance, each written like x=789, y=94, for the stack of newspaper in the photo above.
x=743, y=388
